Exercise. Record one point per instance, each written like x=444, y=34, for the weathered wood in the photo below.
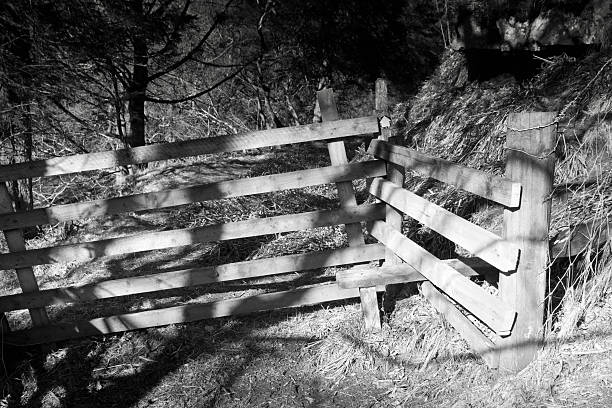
x=337, y=155
x=476, y=240
x=183, y=314
x=394, y=218
x=25, y=275
x=192, y=277
x=488, y=308
x=477, y=341
x=164, y=151
x=499, y=189
x=530, y=144
x=363, y=276
x=346, y=193
x=370, y=313
x=395, y=173
x=174, y=238
x=213, y=191
x=381, y=101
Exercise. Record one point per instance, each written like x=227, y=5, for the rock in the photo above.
x=527, y=28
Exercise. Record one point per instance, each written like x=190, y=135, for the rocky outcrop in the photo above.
x=493, y=24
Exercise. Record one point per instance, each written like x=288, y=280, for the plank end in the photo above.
x=506, y=323
x=515, y=195
x=374, y=148
x=510, y=256
x=369, y=309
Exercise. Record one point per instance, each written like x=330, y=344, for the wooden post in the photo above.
x=16, y=243
x=346, y=193
x=530, y=147
x=395, y=173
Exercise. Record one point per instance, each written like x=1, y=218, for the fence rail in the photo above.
x=168, y=239
x=499, y=189
x=192, y=277
x=365, y=276
x=488, y=308
x=165, y=151
x=513, y=260
x=349, y=214
x=478, y=241
x=208, y=192
x=183, y=314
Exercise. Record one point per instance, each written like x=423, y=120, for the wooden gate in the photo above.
x=520, y=255
x=505, y=329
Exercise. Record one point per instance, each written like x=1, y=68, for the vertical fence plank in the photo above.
x=346, y=193
x=16, y=243
x=530, y=160
x=395, y=173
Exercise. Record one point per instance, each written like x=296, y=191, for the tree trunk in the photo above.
x=21, y=146
x=137, y=94
x=20, y=132
x=138, y=85
x=23, y=196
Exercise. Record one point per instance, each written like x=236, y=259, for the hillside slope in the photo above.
x=465, y=122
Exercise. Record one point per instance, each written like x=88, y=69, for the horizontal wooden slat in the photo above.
x=182, y=314
x=164, y=151
x=477, y=341
x=192, y=277
x=213, y=191
x=364, y=276
x=174, y=238
x=499, y=189
x=488, y=308
x=478, y=241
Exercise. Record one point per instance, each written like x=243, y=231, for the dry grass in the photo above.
x=465, y=122
x=320, y=356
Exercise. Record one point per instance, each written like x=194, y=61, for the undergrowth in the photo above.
x=321, y=355
x=465, y=122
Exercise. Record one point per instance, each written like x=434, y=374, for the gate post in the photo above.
x=530, y=145
x=27, y=280
x=346, y=193
x=395, y=173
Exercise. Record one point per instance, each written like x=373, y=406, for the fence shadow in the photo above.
x=79, y=359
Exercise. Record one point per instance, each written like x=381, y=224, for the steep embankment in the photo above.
x=465, y=121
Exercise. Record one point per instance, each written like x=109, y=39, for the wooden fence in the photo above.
x=518, y=260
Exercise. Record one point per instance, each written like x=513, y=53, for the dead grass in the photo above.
x=320, y=356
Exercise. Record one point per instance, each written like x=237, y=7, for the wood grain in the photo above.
x=164, y=151
x=182, y=314
x=530, y=145
x=192, y=277
x=337, y=155
x=174, y=238
x=476, y=339
x=25, y=275
x=363, y=276
x=346, y=193
x=478, y=241
x=395, y=173
x=499, y=189
x=488, y=308
x=212, y=191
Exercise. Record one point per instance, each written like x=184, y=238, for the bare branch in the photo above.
x=212, y=64
x=194, y=50
x=198, y=94
x=180, y=20
x=79, y=120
